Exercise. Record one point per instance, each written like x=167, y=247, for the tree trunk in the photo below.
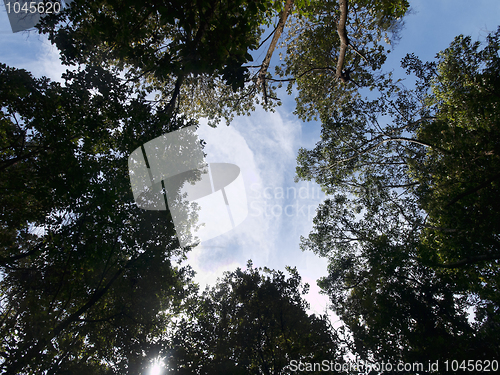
x=274, y=41
x=344, y=42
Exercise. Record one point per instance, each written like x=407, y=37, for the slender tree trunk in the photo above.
x=274, y=41
x=344, y=42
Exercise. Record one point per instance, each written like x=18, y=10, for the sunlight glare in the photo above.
x=156, y=369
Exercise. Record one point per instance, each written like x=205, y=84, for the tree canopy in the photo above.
x=85, y=272
x=411, y=232
x=90, y=283
x=350, y=47
x=195, y=55
x=251, y=322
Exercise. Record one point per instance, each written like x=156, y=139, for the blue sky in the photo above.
x=265, y=145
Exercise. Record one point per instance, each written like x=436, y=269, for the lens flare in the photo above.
x=156, y=368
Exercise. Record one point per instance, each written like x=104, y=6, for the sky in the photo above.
x=264, y=146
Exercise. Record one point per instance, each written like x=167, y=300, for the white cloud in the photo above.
x=264, y=146
x=48, y=62
x=32, y=52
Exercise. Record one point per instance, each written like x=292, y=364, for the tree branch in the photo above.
x=360, y=54
x=422, y=143
x=473, y=190
x=471, y=260
x=367, y=150
x=301, y=74
x=29, y=353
